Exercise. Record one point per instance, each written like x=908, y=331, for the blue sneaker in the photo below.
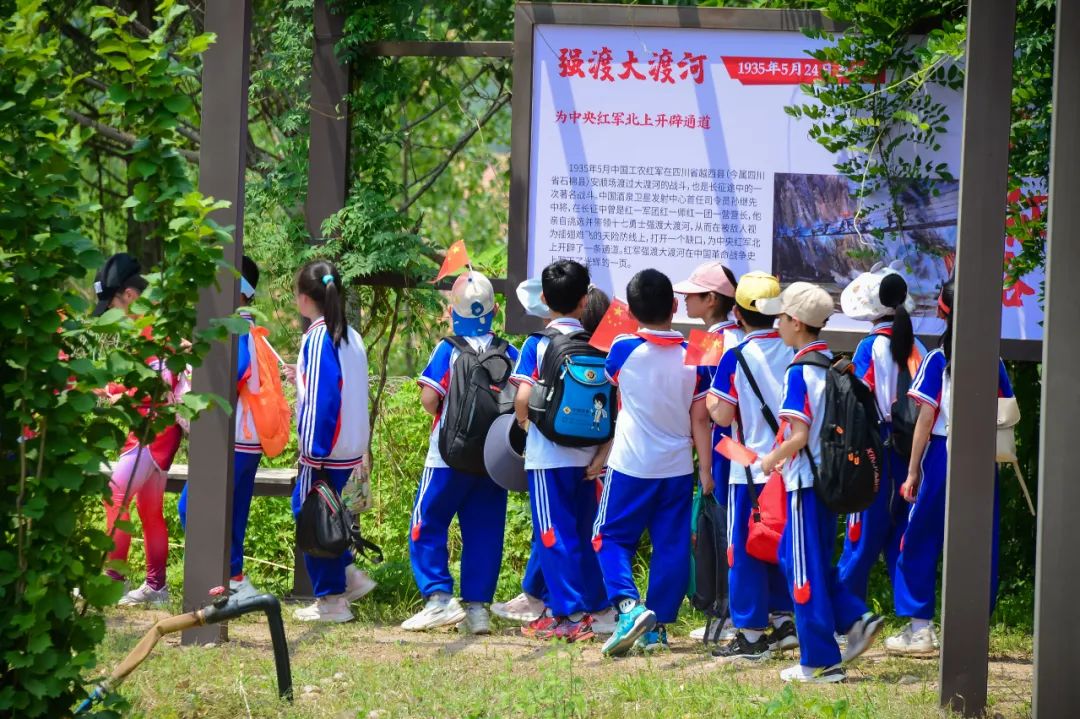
x=654, y=640
x=631, y=626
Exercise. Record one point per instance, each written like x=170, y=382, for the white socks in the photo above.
x=919, y=624
x=752, y=635
x=627, y=605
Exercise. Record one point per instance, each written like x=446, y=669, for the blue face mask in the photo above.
x=471, y=326
x=528, y=294
x=246, y=289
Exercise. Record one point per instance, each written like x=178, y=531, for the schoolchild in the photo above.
x=479, y=503
x=758, y=597
x=531, y=603
x=823, y=606
x=914, y=590
x=142, y=470
x=650, y=477
x=886, y=361
x=563, y=501
x=710, y=296
x=331, y=423
x=247, y=451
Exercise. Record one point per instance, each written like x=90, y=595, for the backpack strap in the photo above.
x=817, y=359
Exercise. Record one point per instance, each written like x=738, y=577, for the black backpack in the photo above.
x=563, y=403
x=479, y=392
x=851, y=447
x=325, y=527
x=904, y=413
x=711, y=567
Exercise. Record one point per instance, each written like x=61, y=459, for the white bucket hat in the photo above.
x=528, y=294
x=861, y=300
x=504, y=454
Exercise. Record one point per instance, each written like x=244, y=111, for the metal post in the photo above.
x=976, y=344
x=1057, y=563
x=221, y=175
x=328, y=149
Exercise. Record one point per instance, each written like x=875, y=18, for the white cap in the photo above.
x=472, y=304
x=807, y=303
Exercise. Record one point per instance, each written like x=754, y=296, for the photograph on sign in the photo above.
x=668, y=147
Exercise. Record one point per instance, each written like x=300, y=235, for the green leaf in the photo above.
x=177, y=104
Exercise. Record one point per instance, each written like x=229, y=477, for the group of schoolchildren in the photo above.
x=591, y=505
x=592, y=501
x=331, y=378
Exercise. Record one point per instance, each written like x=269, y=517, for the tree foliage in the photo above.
x=54, y=433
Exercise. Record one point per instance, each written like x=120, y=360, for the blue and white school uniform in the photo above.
x=247, y=452
x=563, y=503
x=915, y=586
x=878, y=528
x=823, y=605
x=332, y=428
x=721, y=465
x=478, y=503
x=754, y=587
x=650, y=479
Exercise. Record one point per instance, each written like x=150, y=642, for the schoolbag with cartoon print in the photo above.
x=573, y=403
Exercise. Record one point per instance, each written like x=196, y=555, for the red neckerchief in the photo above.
x=667, y=338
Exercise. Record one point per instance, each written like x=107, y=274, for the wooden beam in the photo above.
x=414, y=48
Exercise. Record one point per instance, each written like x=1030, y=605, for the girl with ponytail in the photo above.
x=915, y=581
x=332, y=424
x=886, y=361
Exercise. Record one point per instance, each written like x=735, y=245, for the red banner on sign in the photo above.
x=779, y=70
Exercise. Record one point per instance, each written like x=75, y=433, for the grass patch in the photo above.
x=372, y=670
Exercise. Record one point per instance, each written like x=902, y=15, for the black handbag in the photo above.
x=326, y=528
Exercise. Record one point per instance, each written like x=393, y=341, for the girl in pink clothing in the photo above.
x=142, y=470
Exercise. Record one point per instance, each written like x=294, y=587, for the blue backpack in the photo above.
x=573, y=403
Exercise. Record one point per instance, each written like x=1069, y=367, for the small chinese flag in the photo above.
x=616, y=321
x=704, y=349
x=737, y=453
x=456, y=258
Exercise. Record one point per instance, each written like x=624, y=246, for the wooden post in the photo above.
x=980, y=248
x=222, y=164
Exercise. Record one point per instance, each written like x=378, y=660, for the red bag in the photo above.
x=767, y=520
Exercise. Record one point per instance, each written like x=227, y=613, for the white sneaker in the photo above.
x=440, y=611
x=604, y=622
x=332, y=608
x=242, y=589
x=145, y=596
x=861, y=635
x=811, y=675
x=923, y=642
x=357, y=583
x=727, y=632
x=522, y=608
x=477, y=620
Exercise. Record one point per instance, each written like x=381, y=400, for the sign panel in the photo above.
x=668, y=147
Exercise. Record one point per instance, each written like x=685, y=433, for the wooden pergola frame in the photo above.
x=983, y=177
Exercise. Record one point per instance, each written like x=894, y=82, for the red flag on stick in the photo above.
x=704, y=349
x=456, y=258
x=737, y=453
x=616, y=321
